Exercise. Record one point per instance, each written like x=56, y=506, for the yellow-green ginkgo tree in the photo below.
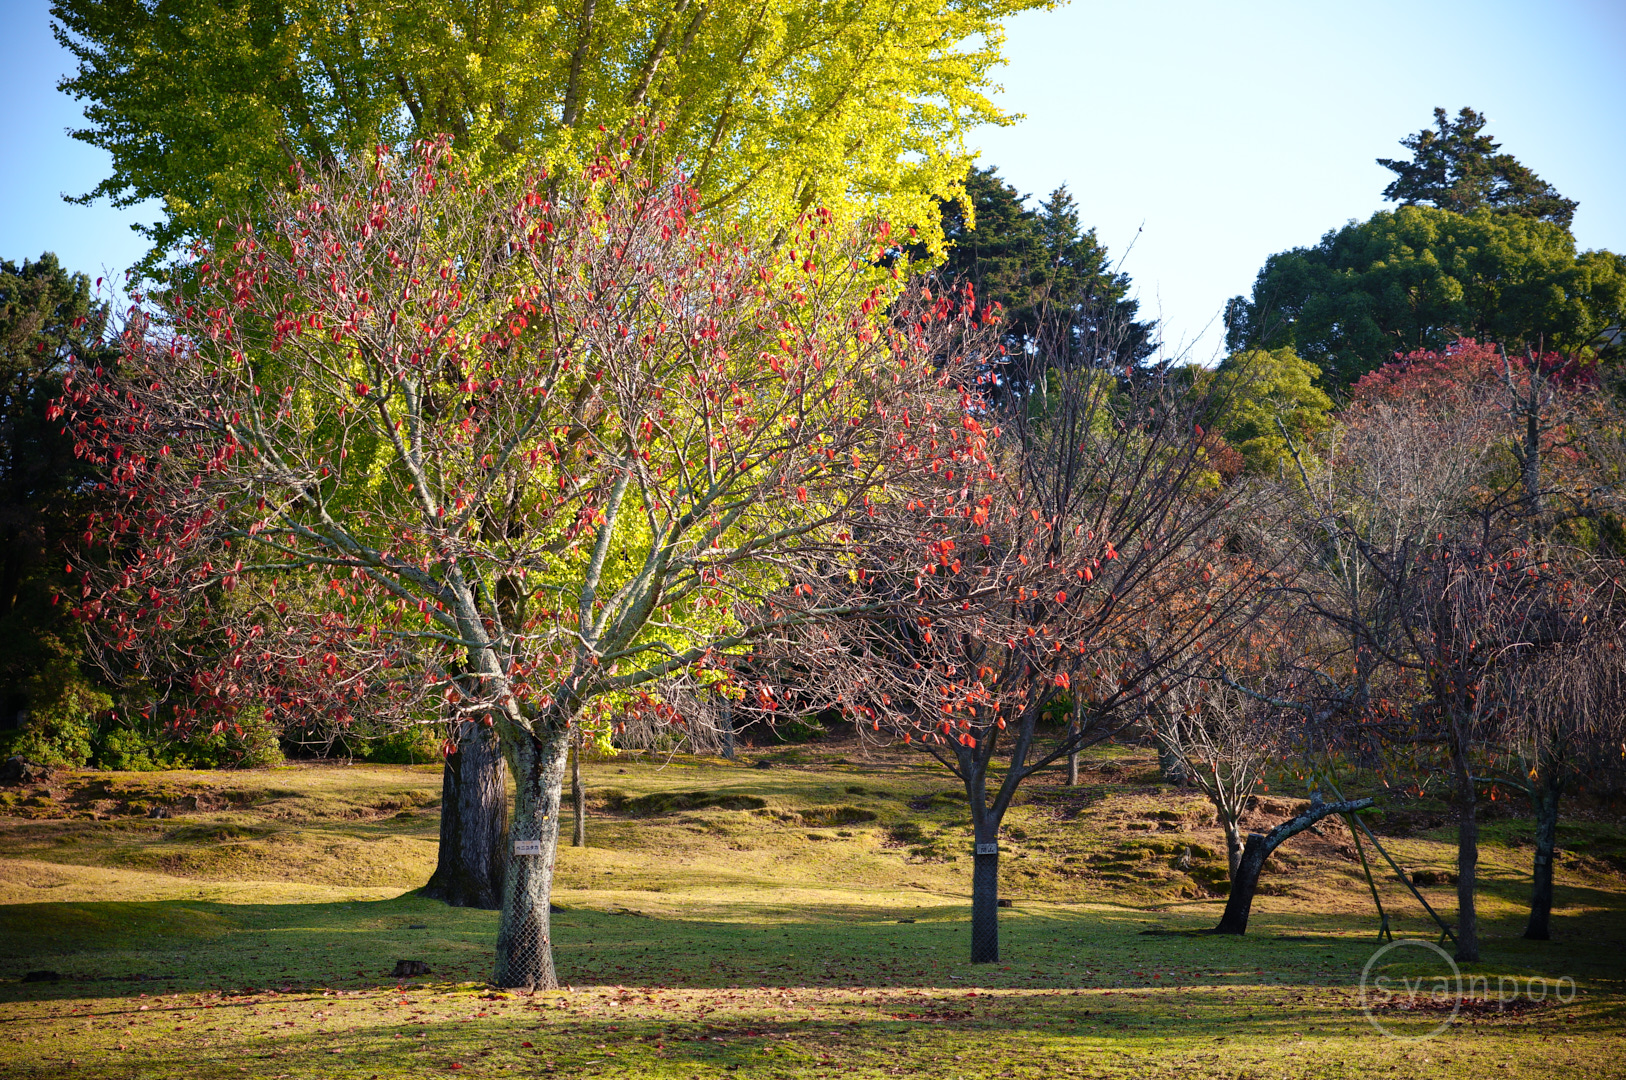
x=772, y=108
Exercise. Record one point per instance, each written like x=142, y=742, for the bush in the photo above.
x=132, y=750
x=64, y=710
x=248, y=742
x=417, y=745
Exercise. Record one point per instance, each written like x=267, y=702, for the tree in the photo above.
x=1043, y=269
x=1568, y=719
x=1225, y=739
x=1420, y=278
x=1456, y=168
x=543, y=453
x=1264, y=393
x=47, y=317
x=1245, y=875
x=1559, y=691
x=773, y=108
x=1057, y=561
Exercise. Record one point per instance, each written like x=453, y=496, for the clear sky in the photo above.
x=1210, y=134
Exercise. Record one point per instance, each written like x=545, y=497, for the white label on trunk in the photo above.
x=987, y=849
x=527, y=847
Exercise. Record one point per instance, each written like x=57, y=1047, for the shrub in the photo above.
x=416, y=745
x=64, y=709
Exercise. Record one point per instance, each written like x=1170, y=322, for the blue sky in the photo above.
x=1211, y=135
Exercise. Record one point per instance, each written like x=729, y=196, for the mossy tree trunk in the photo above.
x=524, y=935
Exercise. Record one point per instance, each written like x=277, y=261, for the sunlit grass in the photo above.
x=796, y=938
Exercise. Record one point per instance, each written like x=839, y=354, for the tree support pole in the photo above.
x=1445, y=928
x=1360, y=849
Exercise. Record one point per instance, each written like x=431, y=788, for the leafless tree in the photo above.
x=1226, y=738
x=1566, y=713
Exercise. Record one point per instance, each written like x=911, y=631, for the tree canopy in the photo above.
x=1455, y=167
x=1042, y=266
x=1420, y=277
x=772, y=108
x=1259, y=388
x=47, y=315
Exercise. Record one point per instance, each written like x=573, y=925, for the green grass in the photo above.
x=805, y=920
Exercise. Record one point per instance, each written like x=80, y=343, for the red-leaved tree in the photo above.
x=521, y=453
x=1072, y=548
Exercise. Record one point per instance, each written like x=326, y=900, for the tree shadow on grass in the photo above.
x=759, y=988
x=126, y=948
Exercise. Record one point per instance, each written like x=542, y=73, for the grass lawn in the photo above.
x=813, y=924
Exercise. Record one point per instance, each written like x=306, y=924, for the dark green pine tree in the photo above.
x=46, y=315
x=1062, y=299
x=1455, y=167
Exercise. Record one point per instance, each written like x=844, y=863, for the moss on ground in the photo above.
x=806, y=919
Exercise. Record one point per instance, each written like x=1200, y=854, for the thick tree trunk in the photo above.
x=1245, y=878
x=473, y=823
x=524, y=944
x=985, y=896
x=578, y=794
x=1467, y=862
x=1539, y=928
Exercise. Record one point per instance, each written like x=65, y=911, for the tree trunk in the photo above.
x=1467, y=862
x=725, y=720
x=1539, y=928
x=578, y=794
x=1244, y=883
x=524, y=945
x=985, y=896
x=473, y=823
x=1245, y=878
x=1072, y=757
x=1233, y=839
x=1170, y=764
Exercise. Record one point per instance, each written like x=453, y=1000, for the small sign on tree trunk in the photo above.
x=987, y=849
x=527, y=847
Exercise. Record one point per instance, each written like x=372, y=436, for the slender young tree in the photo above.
x=1067, y=556
x=1225, y=739
x=543, y=452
